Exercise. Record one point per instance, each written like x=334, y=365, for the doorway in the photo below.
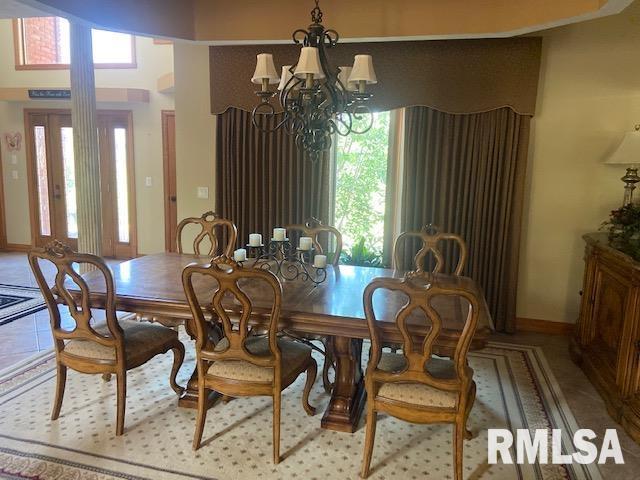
x=52, y=185
x=170, y=193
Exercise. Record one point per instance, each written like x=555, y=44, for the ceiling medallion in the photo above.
x=317, y=99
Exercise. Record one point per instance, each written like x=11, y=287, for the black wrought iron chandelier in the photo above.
x=317, y=99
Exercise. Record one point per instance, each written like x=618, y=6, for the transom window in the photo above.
x=44, y=43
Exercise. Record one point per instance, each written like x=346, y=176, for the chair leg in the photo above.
x=328, y=362
x=61, y=381
x=312, y=371
x=178, y=358
x=276, y=427
x=468, y=434
x=458, y=445
x=369, y=438
x=202, y=414
x=121, y=381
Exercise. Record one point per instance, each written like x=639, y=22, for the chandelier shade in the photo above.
x=363, y=70
x=285, y=77
x=265, y=70
x=343, y=76
x=309, y=63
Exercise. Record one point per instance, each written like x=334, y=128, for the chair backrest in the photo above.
x=64, y=258
x=431, y=238
x=312, y=227
x=208, y=222
x=420, y=291
x=228, y=274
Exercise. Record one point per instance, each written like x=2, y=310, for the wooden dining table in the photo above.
x=151, y=286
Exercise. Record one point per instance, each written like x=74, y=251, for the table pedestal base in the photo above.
x=189, y=398
x=348, y=395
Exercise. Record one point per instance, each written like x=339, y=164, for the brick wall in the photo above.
x=40, y=37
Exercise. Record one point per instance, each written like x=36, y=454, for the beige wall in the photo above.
x=589, y=97
x=195, y=129
x=153, y=61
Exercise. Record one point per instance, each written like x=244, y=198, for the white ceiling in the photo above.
x=16, y=9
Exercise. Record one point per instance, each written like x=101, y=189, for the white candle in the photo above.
x=305, y=243
x=255, y=239
x=320, y=261
x=279, y=234
x=240, y=255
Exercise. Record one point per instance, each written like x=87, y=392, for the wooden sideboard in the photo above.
x=606, y=343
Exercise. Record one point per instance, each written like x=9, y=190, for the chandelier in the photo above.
x=317, y=99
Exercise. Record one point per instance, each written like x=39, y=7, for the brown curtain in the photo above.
x=262, y=179
x=466, y=174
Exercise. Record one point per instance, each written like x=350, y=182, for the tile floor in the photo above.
x=29, y=335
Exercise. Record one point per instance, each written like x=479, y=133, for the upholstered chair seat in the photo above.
x=139, y=338
x=295, y=358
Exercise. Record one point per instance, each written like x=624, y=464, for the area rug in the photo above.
x=17, y=302
x=516, y=389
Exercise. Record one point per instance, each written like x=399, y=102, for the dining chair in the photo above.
x=431, y=237
x=112, y=346
x=312, y=228
x=414, y=385
x=208, y=223
x=241, y=364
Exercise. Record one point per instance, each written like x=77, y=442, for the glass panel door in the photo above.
x=42, y=180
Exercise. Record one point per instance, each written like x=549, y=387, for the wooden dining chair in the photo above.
x=432, y=238
x=242, y=364
x=105, y=347
x=414, y=385
x=208, y=223
x=312, y=228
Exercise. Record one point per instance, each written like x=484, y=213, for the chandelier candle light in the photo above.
x=281, y=258
x=317, y=99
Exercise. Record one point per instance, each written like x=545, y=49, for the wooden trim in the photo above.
x=544, y=326
x=17, y=247
x=19, y=58
x=168, y=245
x=3, y=222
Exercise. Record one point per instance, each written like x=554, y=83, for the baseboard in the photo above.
x=17, y=247
x=544, y=326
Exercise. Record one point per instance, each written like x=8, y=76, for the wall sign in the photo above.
x=48, y=94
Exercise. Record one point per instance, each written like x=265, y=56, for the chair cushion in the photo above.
x=294, y=356
x=138, y=337
x=418, y=393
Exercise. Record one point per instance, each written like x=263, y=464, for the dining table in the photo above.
x=151, y=287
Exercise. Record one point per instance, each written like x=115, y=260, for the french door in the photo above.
x=53, y=185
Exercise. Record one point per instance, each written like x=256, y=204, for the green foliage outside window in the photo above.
x=361, y=174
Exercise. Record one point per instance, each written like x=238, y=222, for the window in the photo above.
x=361, y=176
x=44, y=42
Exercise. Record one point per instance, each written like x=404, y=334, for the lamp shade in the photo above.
x=363, y=69
x=309, y=62
x=284, y=78
x=343, y=76
x=265, y=69
x=628, y=152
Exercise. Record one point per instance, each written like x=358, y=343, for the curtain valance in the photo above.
x=453, y=76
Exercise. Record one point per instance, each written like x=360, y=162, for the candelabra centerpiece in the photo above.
x=283, y=259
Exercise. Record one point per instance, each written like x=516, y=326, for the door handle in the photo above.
x=57, y=194
x=172, y=198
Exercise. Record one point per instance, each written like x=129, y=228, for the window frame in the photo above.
x=19, y=54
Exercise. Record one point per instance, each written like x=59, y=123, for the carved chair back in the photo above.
x=64, y=259
x=229, y=276
x=420, y=291
x=208, y=223
x=312, y=228
x=432, y=237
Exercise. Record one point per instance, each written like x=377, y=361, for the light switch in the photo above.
x=203, y=192
x=148, y=181
x=14, y=174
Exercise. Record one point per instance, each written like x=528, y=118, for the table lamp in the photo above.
x=628, y=153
